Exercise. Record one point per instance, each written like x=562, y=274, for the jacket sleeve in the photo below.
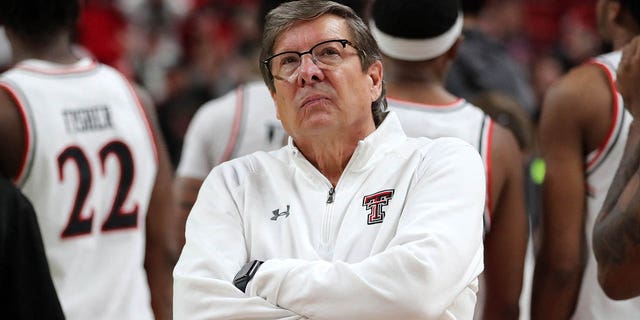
x=428, y=271
x=214, y=251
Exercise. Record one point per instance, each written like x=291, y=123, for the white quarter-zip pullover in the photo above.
x=398, y=237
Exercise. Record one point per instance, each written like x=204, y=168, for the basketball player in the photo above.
x=417, y=56
x=583, y=132
x=78, y=142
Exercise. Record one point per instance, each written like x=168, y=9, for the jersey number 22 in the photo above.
x=117, y=218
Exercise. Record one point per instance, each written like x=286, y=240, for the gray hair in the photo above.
x=287, y=14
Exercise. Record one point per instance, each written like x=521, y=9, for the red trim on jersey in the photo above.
x=145, y=118
x=612, y=85
x=27, y=138
x=61, y=70
x=489, y=169
x=233, y=138
x=591, y=190
x=447, y=105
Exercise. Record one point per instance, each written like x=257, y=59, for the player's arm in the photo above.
x=568, y=108
x=616, y=234
x=161, y=251
x=186, y=192
x=12, y=144
x=506, y=243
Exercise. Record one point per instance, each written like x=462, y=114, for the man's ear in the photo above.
x=615, y=13
x=453, y=51
x=375, y=74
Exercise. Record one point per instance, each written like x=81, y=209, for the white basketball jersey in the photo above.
x=601, y=166
x=459, y=119
x=241, y=122
x=90, y=166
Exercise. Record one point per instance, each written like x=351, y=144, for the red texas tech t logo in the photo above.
x=375, y=203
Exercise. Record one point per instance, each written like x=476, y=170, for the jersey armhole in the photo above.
x=595, y=157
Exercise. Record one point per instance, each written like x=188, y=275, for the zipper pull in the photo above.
x=332, y=191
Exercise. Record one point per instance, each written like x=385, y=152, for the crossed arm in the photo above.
x=425, y=267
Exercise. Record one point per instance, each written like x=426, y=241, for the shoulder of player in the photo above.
x=12, y=131
x=506, y=155
x=145, y=99
x=584, y=84
x=577, y=105
x=6, y=101
x=220, y=109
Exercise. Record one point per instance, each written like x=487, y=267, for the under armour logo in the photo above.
x=375, y=203
x=277, y=214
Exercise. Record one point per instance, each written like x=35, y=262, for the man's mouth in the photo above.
x=314, y=99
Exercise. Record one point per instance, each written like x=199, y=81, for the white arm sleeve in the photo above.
x=428, y=271
x=203, y=276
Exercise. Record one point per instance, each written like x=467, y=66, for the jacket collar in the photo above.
x=368, y=152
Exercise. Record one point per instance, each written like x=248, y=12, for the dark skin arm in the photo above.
x=506, y=243
x=576, y=116
x=161, y=251
x=616, y=235
x=12, y=130
x=186, y=192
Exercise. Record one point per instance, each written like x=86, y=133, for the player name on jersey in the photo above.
x=89, y=119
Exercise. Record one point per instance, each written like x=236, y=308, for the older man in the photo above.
x=350, y=220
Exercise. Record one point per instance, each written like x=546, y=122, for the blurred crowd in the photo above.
x=186, y=52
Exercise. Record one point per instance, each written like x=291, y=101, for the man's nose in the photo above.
x=308, y=70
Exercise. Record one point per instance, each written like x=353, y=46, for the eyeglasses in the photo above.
x=325, y=55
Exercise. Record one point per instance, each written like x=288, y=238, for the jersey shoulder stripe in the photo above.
x=597, y=157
